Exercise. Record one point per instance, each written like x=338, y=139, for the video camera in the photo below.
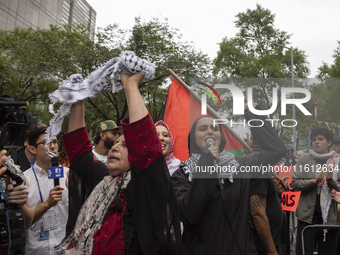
x=14, y=122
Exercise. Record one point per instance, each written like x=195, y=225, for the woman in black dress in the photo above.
x=214, y=207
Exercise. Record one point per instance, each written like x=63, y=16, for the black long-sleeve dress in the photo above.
x=216, y=225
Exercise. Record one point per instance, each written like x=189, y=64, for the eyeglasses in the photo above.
x=55, y=143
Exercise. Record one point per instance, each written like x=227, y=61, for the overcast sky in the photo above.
x=312, y=23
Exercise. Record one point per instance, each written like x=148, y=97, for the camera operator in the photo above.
x=15, y=213
x=15, y=195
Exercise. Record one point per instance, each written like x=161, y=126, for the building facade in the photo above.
x=42, y=13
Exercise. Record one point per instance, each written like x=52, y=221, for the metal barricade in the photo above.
x=319, y=226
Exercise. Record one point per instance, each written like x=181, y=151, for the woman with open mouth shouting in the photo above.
x=213, y=190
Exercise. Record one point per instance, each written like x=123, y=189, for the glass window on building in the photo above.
x=13, y=5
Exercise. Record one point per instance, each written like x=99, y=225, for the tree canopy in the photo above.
x=332, y=71
x=157, y=42
x=254, y=53
x=240, y=57
x=34, y=62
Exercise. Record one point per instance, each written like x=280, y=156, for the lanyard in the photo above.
x=41, y=199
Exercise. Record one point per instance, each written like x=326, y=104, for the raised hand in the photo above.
x=214, y=151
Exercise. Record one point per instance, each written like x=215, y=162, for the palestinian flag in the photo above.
x=179, y=115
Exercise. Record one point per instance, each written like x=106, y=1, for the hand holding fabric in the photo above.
x=17, y=195
x=282, y=185
x=324, y=172
x=132, y=80
x=336, y=194
x=105, y=79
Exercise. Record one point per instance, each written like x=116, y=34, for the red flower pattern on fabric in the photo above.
x=78, y=142
x=110, y=237
x=144, y=146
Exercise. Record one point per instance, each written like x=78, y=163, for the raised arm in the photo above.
x=272, y=146
x=153, y=200
x=77, y=140
x=139, y=130
x=137, y=109
x=77, y=116
x=85, y=170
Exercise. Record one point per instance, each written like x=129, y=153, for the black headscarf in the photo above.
x=192, y=145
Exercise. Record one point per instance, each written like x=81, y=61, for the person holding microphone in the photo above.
x=49, y=201
x=214, y=205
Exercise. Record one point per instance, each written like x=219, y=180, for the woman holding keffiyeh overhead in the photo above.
x=214, y=207
x=315, y=175
x=134, y=209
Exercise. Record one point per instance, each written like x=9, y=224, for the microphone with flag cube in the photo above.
x=55, y=172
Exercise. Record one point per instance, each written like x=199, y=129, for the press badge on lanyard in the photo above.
x=43, y=234
x=49, y=218
x=49, y=223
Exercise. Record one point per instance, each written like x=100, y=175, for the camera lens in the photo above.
x=13, y=135
x=10, y=135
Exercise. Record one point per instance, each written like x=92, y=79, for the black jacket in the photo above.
x=84, y=175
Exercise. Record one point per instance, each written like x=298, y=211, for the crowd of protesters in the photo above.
x=131, y=195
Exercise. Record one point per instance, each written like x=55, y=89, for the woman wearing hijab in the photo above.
x=214, y=207
x=168, y=145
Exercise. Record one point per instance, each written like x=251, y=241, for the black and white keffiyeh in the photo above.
x=14, y=169
x=225, y=159
x=105, y=79
x=332, y=165
x=93, y=214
